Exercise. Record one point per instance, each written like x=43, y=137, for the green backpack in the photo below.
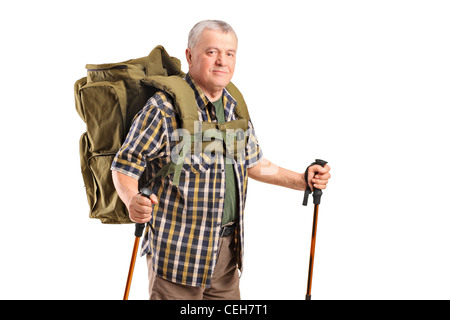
x=108, y=99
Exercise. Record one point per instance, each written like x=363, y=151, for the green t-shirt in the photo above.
x=231, y=201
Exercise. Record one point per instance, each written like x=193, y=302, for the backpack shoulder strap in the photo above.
x=183, y=96
x=241, y=107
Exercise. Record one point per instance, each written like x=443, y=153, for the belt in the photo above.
x=227, y=230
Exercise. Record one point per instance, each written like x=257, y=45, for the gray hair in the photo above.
x=216, y=25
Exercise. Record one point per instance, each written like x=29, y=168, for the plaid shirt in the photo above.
x=183, y=234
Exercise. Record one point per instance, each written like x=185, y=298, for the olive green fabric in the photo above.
x=107, y=100
x=229, y=212
x=186, y=106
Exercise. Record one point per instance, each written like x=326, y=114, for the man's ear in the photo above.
x=188, y=56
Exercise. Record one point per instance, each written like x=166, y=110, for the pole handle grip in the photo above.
x=317, y=193
x=139, y=228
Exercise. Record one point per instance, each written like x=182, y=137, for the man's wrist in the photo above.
x=301, y=182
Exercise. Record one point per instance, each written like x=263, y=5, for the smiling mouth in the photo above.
x=220, y=71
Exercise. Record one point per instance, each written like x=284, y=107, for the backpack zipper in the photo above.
x=112, y=68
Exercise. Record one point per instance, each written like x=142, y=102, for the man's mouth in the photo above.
x=220, y=71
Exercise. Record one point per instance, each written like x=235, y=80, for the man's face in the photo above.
x=212, y=60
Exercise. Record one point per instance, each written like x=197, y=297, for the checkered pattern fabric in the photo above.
x=183, y=235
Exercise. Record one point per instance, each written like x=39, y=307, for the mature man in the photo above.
x=194, y=238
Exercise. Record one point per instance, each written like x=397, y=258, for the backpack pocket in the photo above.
x=103, y=200
x=104, y=108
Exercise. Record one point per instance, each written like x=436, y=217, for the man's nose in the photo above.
x=221, y=60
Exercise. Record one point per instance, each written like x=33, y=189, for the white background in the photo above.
x=361, y=84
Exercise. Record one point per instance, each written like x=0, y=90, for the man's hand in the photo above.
x=140, y=208
x=318, y=176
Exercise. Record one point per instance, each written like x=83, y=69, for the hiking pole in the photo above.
x=317, y=194
x=139, y=228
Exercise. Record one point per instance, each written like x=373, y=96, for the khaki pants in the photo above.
x=224, y=282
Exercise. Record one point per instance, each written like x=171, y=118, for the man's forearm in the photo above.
x=126, y=186
x=268, y=172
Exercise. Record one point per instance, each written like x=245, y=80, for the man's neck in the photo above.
x=214, y=97
x=211, y=95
